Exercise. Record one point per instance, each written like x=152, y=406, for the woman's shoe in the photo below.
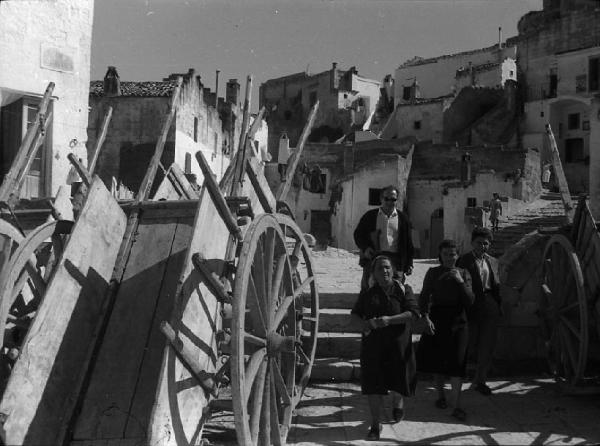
x=374, y=432
x=459, y=414
x=441, y=403
x=398, y=414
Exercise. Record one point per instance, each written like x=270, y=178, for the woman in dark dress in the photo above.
x=387, y=361
x=445, y=296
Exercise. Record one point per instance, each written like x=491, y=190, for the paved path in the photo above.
x=521, y=411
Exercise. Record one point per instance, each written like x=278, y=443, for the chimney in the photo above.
x=334, y=81
x=217, y=89
x=112, y=82
x=232, y=92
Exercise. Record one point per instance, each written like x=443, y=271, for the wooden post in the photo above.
x=9, y=185
x=227, y=180
x=563, y=187
x=100, y=141
x=41, y=135
x=160, y=146
x=284, y=187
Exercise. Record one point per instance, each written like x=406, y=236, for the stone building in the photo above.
x=346, y=101
x=139, y=110
x=559, y=56
x=427, y=96
x=444, y=188
x=42, y=42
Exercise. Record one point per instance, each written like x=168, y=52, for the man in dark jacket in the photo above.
x=485, y=313
x=385, y=230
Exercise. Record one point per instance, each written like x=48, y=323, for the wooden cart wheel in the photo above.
x=23, y=283
x=265, y=343
x=10, y=238
x=564, y=310
x=307, y=307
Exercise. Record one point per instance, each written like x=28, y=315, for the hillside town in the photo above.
x=181, y=266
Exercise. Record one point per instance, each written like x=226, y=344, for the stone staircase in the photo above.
x=546, y=211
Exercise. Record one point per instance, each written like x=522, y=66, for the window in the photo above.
x=573, y=150
x=471, y=202
x=417, y=125
x=287, y=115
x=195, y=129
x=374, y=196
x=406, y=93
x=594, y=73
x=581, y=83
x=573, y=121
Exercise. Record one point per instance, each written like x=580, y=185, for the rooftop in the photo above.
x=138, y=89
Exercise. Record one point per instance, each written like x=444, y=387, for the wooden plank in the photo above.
x=242, y=146
x=560, y=176
x=100, y=141
x=175, y=186
x=177, y=409
x=284, y=187
x=10, y=181
x=105, y=408
x=160, y=146
x=45, y=379
x=149, y=372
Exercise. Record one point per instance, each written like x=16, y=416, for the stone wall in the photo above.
x=50, y=41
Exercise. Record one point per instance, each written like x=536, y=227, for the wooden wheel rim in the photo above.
x=12, y=238
x=19, y=260
x=310, y=315
x=262, y=388
x=564, y=309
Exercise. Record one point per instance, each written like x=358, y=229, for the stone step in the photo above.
x=335, y=369
x=336, y=320
x=338, y=345
x=338, y=300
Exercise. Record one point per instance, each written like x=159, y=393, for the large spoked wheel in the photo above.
x=564, y=310
x=10, y=238
x=265, y=342
x=307, y=304
x=23, y=283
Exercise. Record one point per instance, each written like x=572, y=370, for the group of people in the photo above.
x=457, y=312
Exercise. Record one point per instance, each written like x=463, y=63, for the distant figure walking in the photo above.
x=486, y=311
x=444, y=299
x=387, y=360
x=385, y=230
x=495, y=211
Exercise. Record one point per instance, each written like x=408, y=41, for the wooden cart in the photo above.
x=570, y=300
x=227, y=281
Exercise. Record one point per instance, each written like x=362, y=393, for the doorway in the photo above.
x=320, y=226
x=436, y=231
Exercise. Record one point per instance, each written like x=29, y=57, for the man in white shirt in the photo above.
x=385, y=231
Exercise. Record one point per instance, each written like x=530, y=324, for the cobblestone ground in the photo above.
x=521, y=410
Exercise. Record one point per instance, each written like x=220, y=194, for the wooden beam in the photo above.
x=211, y=279
x=227, y=180
x=204, y=378
x=146, y=184
x=560, y=176
x=217, y=197
x=41, y=136
x=284, y=187
x=100, y=141
x=82, y=171
x=10, y=182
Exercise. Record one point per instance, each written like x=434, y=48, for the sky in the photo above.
x=150, y=39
